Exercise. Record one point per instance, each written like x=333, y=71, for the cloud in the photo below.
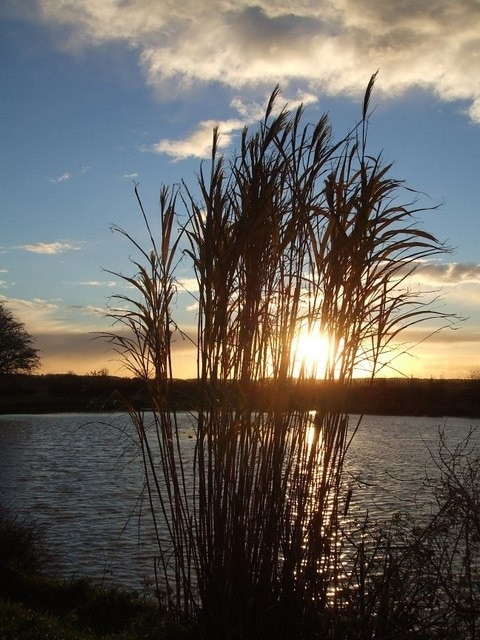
x=318, y=44
x=189, y=285
x=51, y=316
x=49, y=248
x=131, y=176
x=63, y=178
x=451, y=274
x=4, y=284
x=79, y=352
x=94, y=283
x=36, y=313
x=461, y=335
x=89, y=310
x=456, y=283
x=68, y=175
x=199, y=142
x=84, y=351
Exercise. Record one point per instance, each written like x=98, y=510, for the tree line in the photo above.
x=23, y=393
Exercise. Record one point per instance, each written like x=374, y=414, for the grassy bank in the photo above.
x=34, y=606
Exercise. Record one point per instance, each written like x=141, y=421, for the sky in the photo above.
x=97, y=95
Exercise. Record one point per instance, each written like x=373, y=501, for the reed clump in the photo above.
x=296, y=231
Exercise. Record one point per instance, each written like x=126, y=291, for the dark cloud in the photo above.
x=449, y=274
x=460, y=335
x=79, y=352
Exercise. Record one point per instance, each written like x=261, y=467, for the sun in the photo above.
x=311, y=354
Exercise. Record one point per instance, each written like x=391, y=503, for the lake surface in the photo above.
x=79, y=476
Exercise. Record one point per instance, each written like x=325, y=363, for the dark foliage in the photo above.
x=34, y=606
x=17, y=354
x=21, y=548
x=383, y=396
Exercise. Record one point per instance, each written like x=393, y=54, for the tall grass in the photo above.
x=296, y=230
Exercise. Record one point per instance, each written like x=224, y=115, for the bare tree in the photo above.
x=17, y=354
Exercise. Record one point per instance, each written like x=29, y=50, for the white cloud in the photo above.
x=199, y=142
x=131, y=176
x=49, y=248
x=94, y=283
x=188, y=284
x=331, y=45
x=4, y=284
x=62, y=178
x=68, y=175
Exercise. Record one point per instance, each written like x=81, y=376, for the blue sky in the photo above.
x=96, y=95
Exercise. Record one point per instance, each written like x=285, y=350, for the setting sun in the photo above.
x=312, y=353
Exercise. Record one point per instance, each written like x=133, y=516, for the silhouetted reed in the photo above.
x=296, y=230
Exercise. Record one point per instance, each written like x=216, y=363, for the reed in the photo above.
x=297, y=229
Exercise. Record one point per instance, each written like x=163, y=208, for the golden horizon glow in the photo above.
x=430, y=359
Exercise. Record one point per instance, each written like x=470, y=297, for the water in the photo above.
x=79, y=476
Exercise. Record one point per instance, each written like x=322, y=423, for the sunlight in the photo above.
x=311, y=353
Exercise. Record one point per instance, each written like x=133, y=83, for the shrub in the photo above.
x=22, y=550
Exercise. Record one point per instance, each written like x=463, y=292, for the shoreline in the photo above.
x=69, y=393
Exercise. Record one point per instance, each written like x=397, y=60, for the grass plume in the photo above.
x=296, y=229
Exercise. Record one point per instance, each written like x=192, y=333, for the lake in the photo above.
x=79, y=476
